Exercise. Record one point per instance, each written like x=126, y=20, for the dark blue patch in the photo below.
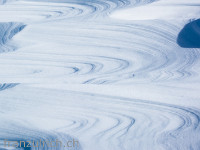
x=16, y=30
x=189, y=37
x=5, y=86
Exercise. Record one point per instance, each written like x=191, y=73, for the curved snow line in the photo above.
x=103, y=121
x=7, y=31
x=48, y=10
x=84, y=54
x=32, y=138
x=5, y=86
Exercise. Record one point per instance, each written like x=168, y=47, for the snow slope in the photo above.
x=110, y=74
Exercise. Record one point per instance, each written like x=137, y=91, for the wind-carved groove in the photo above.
x=5, y=86
x=7, y=31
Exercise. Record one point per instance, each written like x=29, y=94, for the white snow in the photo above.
x=162, y=9
x=107, y=73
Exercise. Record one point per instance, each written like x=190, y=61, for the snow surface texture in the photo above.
x=112, y=74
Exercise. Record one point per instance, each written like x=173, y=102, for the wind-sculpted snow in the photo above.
x=98, y=121
x=7, y=86
x=7, y=31
x=32, y=139
x=71, y=71
x=46, y=10
x=58, y=57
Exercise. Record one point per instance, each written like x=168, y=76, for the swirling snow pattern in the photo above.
x=99, y=121
x=69, y=57
x=7, y=31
